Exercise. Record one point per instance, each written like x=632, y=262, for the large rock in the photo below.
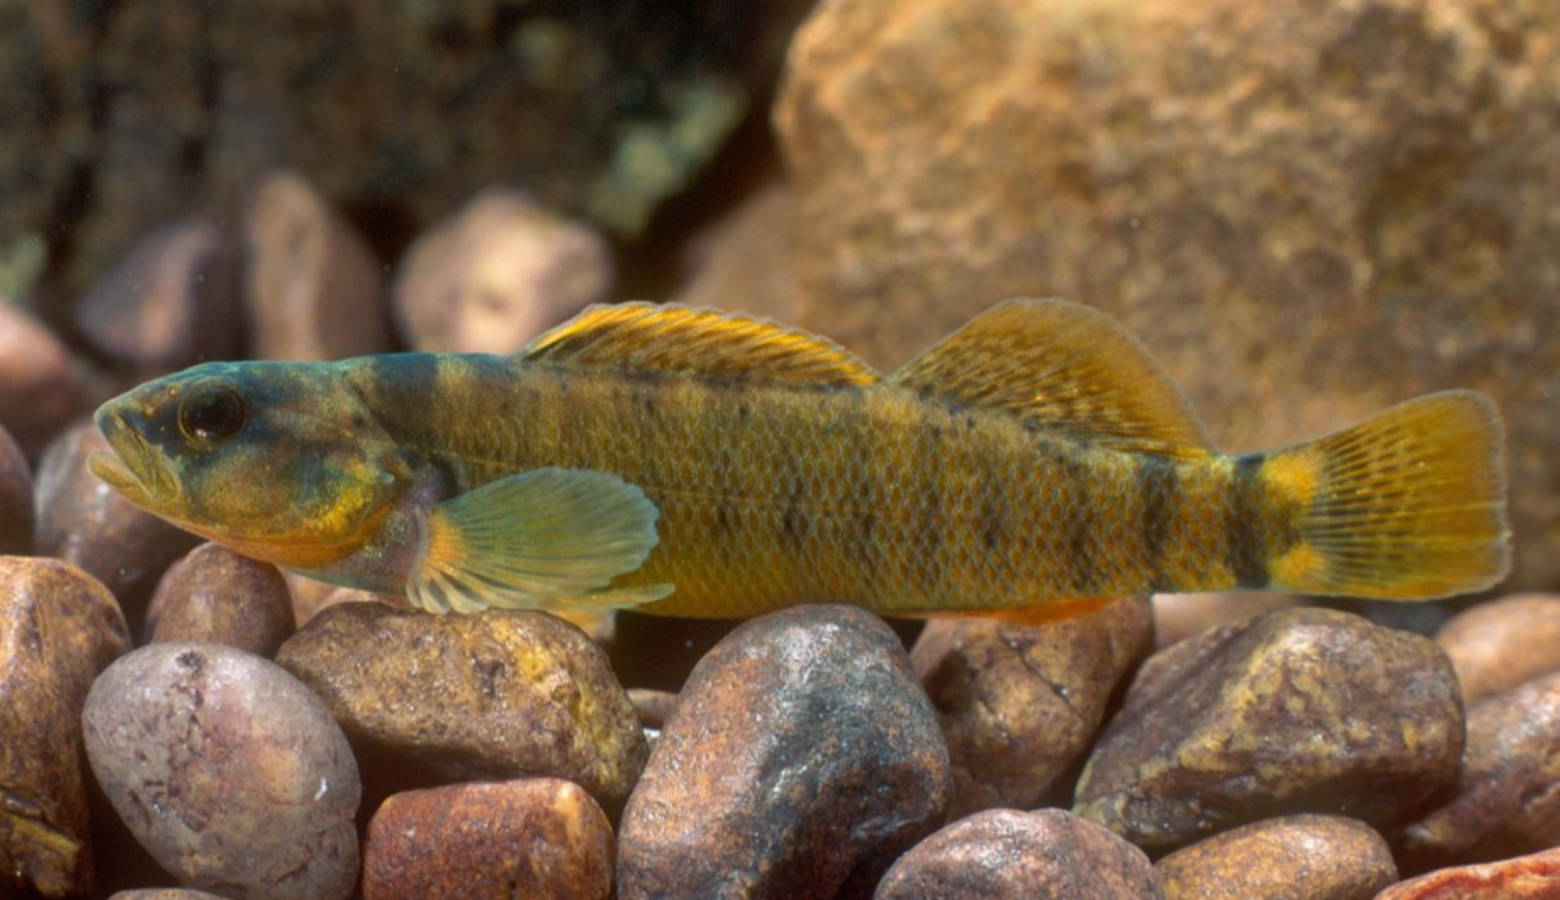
x=1308, y=210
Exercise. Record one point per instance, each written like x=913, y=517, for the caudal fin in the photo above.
x=1409, y=505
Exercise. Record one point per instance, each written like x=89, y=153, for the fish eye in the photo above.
x=212, y=413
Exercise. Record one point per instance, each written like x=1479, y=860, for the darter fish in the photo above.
x=695, y=463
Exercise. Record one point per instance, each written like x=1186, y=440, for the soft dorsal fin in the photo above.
x=681, y=340
x=1060, y=366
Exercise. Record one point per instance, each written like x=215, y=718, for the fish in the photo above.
x=693, y=462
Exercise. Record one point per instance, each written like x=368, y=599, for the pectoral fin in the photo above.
x=545, y=539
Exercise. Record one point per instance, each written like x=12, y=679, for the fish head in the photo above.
x=283, y=462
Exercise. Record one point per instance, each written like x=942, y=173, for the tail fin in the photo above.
x=1409, y=505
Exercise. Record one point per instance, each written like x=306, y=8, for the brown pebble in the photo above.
x=170, y=303
x=742, y=261
x=502, y=271
x=215, y=596
x=1293, y=858
x=1507, y=800
x=1301, y=710
x=655, y=708
x=1534, y=877
x=163, y=894
x=802, y=760
x=58, y=628
x=1179, y=616
x=314, y=291
x=998, y=854
x=227, y=770
x=1499, y=645
x=538, y=837
x=40, y=391
x=498, y=694
x=84, y=521
x=16, y=497
x=1020, y=704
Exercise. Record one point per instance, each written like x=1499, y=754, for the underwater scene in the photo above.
x=856, y=448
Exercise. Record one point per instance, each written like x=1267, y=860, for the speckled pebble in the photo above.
x=1497, y=646
x=1004, y=854
x=164, y=894
x=802, y=760
x=1303, y=857
x=1301, y=710
x=1534, y=877
x=215, y=596
x=228, y=770
x=538, y=837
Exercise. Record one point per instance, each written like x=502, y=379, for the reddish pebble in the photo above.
x=39, y=389
x=216, y=596
x=1535, y=877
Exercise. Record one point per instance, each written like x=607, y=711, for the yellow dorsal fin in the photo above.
x=681, y=340
x=1060, y=366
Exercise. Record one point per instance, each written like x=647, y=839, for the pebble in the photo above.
x=537, y=837
x=170, y=303
x=1180, y=616
x=16, y=497
x=1507, y=800
x=1019, y=705
x=998, y=854
x=40, y=391
x=655, y=708
x=58, y=628
x=1534, y=877
x=499, y=273
x=498, y=694
x=742, y=261
x=227, y=770
x=314, y=291
x=1304, y=857
x=803, y=759
x=1301, y=710
x=163, y=894
x=84, y=521
x=215, y=596
x=1498, y=646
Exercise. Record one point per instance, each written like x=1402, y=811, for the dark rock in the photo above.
x=499, y=273
x=1019, y=704
x=170, y=303
x=1293, y=858
x=215, y=596
x=1050, y=854
x=1498, y=646
x=83, y=521
x=1535, y=877
x=802, y=760
x=16, y=498
x=1507, y=800
x=228, y=770
x=540, y=837
x=494, y=695
x=40, y=391
x=1302, y=710
x=58, y=628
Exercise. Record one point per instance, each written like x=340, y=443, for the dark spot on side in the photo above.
x=1244, y=529
x=191, y=660
x=725, y=518
x=1080, y=525
x=1158, y=481
x=488, y=673
x=794, y=522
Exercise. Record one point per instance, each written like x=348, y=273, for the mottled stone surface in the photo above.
x=742, y=261
x=999, y=854
x=16, y=497
x=501, y=271
x=493, y=695
x=1507, y=800
x=84, y=521
x=1020, y=704
x=313, y=289
x=163, y=894
x=1534, y=877
x=539, y=837
x=40, y=391
x=1301, y=710
x=228, y=770
x=58, y=627
x=1307, y=210
x=802, y=760
x=1292, y=858
x=1179, y=616
x=171, y=302
x=215, y=596
x=1500, y=645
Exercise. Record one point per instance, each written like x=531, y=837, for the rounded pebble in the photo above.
x=1293, y=858
x=1498, y=646
x=539, y=837
x=215, y=596
x=163, y=894
x=802, y=760
x=1534, y=877
x=999, y=854
x=655, y=708
x=16, y=497
x=40, y=391
x=1301, y=710
x=1180, y=616
x=228, y=770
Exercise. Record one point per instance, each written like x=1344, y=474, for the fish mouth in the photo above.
x=131, y=467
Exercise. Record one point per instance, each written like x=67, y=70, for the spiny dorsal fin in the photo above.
x=1060, y=366
x=679, y=340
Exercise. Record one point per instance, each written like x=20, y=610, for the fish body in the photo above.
x=691, y=463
